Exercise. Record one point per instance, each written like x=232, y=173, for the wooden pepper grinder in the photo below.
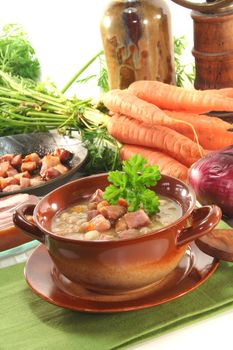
x=137, y=42
x=213, y=42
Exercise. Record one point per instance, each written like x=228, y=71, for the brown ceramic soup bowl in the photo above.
x=117, y=267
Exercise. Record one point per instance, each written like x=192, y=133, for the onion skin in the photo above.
x=211, y=177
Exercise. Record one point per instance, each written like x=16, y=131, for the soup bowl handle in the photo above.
x=28, y=227
x=203, y=220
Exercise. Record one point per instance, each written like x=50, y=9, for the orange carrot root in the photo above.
x=167, y=165
x=172, y=97
x=123, y=102
x=211, y=132
x=226, y=92
x=131, y=131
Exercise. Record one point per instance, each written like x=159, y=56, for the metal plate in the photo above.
x=43, y=143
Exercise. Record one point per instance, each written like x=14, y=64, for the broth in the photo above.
x=74, y=222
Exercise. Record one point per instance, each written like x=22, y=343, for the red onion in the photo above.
x=212, y=179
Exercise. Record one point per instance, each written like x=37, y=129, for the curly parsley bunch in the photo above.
x=132, y=185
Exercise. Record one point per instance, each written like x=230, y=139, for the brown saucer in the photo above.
x=193, y=270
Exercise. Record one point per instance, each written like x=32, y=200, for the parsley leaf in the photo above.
x=132, y=185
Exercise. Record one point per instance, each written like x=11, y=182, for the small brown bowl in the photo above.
x=124, y=268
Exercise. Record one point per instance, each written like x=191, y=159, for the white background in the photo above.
x=65, y=35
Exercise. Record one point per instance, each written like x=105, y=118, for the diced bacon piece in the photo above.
x=24, y=174
x=102, y=204
x=113, y=212
x=11, y=171
x=97, y=196
x=6, y=181
x=91, y=214
x=99, y=223
x=16, y=161
x=28, y=166
x=51, y=173
x=137, y=219
x=32, y=157
x=11, y=188
x=92, y=205
x=1, y=179
x=35, y=181
x=64, y=155
x=48, y=161
x=24, y=182
x=121, y=225
x=6, y=158
x=130, y=233
x=4, y=166
x=61, y=168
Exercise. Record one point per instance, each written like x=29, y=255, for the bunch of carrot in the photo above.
x=164, y=123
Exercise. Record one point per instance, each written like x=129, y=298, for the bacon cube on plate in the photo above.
x=16, y=161
x=11, y=171
x=61, y=168
x=51, y=173
x=32, y=157
x=24, y=182
x=48, y=161
x=23, y=174
x=6, y=181
x=6, y=157
x=63, y=154
x=11, y=188
x=4, y=166
x=36, y=180
x=28, y=166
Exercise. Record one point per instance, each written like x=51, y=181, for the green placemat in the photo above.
x=28, y=322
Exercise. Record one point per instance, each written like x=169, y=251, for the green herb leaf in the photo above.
x=131, y=184
x=17, y=56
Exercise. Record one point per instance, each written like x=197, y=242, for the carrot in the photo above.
x=211, y=132
x=226, y=92
x=124, y=102
x=199, y=121
x=173, y=97
x=167, y=165
x=131, y=131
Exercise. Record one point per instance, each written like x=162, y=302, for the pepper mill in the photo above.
x=213, y=42
x=137, y=42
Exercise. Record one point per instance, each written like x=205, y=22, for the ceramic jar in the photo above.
x=137, y=42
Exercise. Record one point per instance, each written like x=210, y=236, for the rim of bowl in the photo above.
x=113, y=242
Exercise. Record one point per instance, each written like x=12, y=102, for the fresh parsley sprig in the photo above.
x=132, y=185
